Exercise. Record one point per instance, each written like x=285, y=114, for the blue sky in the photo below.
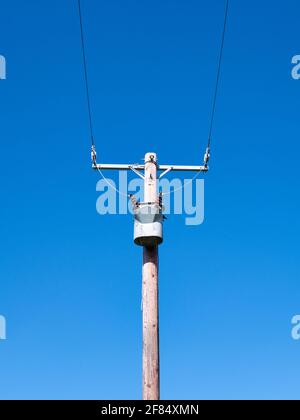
x=71, y=280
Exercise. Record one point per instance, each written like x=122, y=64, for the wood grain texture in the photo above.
x=151, y=380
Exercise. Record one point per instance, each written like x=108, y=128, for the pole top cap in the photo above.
x=150, y=157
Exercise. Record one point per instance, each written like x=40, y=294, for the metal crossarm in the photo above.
x=128, y=167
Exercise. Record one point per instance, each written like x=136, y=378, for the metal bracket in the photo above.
x=127, y=167
x=137, y=172
x=165, y=172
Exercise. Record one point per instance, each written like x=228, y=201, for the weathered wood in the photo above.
x=151, y=385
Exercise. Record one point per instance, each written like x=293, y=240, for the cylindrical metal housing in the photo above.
x=148, y=225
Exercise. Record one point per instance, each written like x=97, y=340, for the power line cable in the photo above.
x=216, y=90
x=88, y=96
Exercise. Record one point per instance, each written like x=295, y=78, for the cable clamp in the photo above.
x=207, y=156
x=94, y=155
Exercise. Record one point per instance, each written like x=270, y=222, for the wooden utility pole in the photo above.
x=149, y=238
x=151, y=386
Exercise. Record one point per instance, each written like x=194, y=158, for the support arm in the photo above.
x=128, y=167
